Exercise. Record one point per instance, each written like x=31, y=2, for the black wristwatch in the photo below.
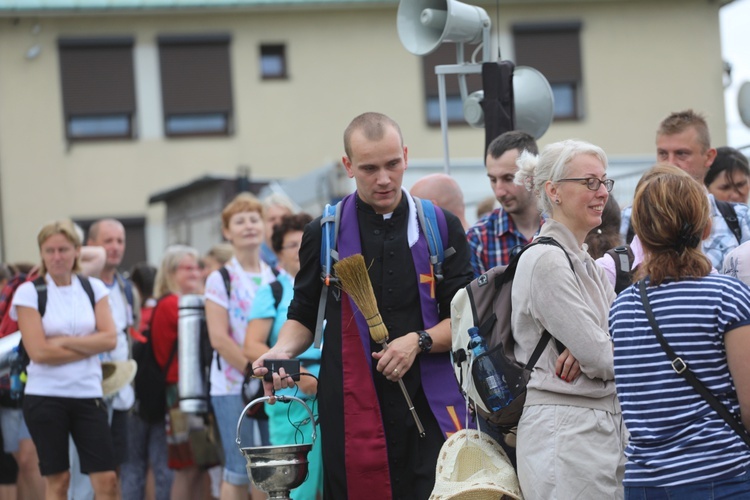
x=425, y=341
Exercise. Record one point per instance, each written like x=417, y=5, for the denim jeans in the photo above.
x=733, y=488
x=227, y=410
x=147, y=446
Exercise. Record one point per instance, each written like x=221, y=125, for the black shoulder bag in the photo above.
x=681, y=367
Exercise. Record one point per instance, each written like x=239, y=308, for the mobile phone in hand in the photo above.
x=290, y=366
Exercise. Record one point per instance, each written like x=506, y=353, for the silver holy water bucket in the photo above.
x=277, y=469
x=191, y=384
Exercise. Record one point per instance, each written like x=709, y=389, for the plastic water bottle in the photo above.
x=494, y=389
x=16, y=384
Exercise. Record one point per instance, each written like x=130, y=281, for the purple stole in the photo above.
x=366, y=453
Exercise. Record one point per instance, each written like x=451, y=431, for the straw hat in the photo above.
x=472, y=466
x=116, y=375
x=737, y=263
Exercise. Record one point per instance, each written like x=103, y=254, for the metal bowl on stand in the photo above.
x=276, y=469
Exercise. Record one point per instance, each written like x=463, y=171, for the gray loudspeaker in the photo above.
x=425, y=24
x=743, y=103
x=533, y=103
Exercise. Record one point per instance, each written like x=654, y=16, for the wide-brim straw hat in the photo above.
x=737, y=263
x=116, y=375
x=472, y=466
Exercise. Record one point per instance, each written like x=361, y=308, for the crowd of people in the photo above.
x=608, y=413
x=65, y=438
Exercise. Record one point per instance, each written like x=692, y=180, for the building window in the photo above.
x=273, y=62
x=555, y=50
x=98, y=87
x=196, y=85
x=446, y=54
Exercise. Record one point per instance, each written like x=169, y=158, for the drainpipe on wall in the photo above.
x=2, y=222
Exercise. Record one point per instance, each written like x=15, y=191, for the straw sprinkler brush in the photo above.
x=355, y=281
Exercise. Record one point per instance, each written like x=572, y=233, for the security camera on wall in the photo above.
x=519, y=99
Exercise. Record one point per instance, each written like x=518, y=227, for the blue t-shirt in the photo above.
x=675, y=436
x=263, y=307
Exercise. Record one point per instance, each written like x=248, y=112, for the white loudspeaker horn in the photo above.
x=425, y=24
x=743, y=103
x=533, y=103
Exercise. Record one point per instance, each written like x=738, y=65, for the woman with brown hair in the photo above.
x=680, y=446
x=228, y=305
x=728, y=178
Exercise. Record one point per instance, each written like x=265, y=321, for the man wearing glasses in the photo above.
x=493, y=238
x=683, y=140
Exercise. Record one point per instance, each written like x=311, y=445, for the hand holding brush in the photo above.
x=355, y=281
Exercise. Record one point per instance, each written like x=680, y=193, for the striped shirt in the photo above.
x=491, y=240
x=675, y=436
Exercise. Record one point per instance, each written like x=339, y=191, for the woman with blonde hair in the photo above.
x=680, y=447
x=230, y=293
x=179, y=274
x=63, y=395
x=570, y=436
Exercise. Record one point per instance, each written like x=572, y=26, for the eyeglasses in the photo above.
x=291, y=246
x=592, y=183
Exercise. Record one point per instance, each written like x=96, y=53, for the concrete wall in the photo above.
x=641, y=60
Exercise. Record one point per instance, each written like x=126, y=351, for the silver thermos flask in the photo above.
x=191, y=383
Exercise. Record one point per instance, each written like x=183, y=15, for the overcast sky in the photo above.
x=735, y=47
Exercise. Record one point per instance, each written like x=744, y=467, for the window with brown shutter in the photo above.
x=196, y=84
x=447, y=54
x=555, y=50
x=98, y=87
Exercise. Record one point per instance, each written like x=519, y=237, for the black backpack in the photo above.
x=150, y=379
x=486, y=303
x=624, y=258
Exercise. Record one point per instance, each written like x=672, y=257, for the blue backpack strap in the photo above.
x=436, y=232
x=127, y=288
x=329, y=228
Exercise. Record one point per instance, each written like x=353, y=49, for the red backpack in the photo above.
x=7, y=325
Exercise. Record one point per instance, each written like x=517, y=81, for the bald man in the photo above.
x=444, y=192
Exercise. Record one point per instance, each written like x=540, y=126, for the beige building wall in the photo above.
x=641, y=60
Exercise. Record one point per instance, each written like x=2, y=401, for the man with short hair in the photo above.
x=683, y=140
x=371, y=445
x=110, y=234
x=518, y=219
x=443, y=191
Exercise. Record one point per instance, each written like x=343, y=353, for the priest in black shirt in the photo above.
x=371, y=445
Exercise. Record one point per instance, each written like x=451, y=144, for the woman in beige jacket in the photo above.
x=571, y=436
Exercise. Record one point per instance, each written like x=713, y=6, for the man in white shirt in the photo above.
x=110, y=235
